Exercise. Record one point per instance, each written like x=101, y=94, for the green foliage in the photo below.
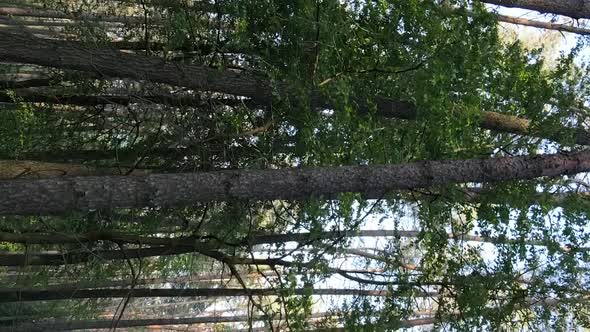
x=338, y=57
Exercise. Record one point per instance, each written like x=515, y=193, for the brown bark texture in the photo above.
x=61, y=195
x=543, y=25
x=109, y=62
x=17, y=169
x=573, y=8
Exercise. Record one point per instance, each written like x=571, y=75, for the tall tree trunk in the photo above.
x=543, y=25
x=60, y=195
x=572, y=8
x=58, y=156
x=402, y=324
x=124, y=323
x=54, y=14
x=18, y=84
x=123, y=155
x=195, y=242
x=126, y=283
x=113, y=63
x=32, y=259
x=18, y=295
x=158, y=322
x=91, y=100
x=13, y=169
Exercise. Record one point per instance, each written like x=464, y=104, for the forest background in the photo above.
x=294, y=165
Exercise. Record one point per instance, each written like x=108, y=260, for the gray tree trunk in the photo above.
x=543, y=25
x=18, y=295
x=572, y=8
x=60, y=195
x=159, y=322
x=13, y=169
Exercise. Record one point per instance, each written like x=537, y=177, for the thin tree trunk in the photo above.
x=194, y=5
x=122, y=155
x=40, y=13
x=19, y=295
x=13, y=169
x=573, y=8
x=125, y=323
x=49, y=238
x=32, y=83
x=402, y=324
x=126, y=283
x=32, y=259
x=46, y=22
x=195, y=242
x=91, y=100
x=113, y=63
x=58, y=156
x=543, y=25
x=475, y=195
x=60, y=195
x=200, y=48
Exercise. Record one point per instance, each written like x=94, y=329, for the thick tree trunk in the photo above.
x=572, y=8
x=113, y=63
x=60, y=195
x=18, y=295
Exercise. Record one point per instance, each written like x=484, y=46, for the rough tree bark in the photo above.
x=60, y=195
x=573, y=8
x=543, y=25
x=113, y=63
x=13, y=169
